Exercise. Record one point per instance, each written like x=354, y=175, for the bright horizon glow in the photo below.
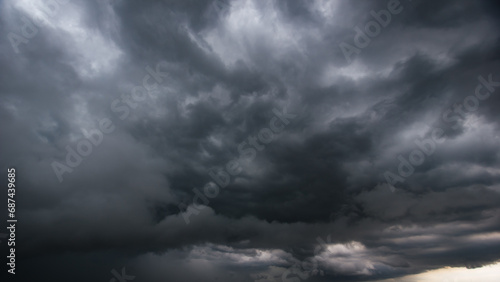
x=488, y=273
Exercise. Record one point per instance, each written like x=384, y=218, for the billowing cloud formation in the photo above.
x=251, y=140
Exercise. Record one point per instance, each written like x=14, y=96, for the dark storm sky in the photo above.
x=223, y=72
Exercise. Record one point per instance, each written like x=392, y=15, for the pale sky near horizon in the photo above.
x=488, y=273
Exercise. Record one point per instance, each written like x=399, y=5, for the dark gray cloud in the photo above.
x=258, y=103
